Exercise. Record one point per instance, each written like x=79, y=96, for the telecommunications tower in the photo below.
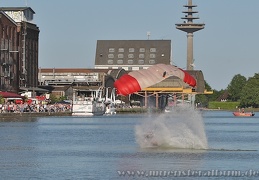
x=189, y=27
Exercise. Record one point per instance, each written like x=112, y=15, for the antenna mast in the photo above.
x=148, y=35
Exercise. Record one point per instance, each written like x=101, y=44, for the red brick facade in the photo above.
x=18, y=53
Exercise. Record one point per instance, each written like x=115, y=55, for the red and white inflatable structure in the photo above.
x=138, y=80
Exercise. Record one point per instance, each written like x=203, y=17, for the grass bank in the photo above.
x=223, y=105
x=231, y=106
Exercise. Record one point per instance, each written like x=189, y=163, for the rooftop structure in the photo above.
x=19, y=14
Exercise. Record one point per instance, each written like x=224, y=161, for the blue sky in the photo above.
x=69, y=30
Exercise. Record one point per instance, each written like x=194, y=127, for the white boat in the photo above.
x=88, y=102
x=110, y=102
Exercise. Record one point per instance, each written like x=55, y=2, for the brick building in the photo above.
x=19, y=38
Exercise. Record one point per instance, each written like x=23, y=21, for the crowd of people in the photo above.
x=11, y=107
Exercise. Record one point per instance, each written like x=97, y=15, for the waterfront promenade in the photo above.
x=11, y=107
x=10, y=110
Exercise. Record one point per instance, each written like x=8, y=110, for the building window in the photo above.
x=110, y=61
x=120, y=61
x=142, y=56
x=152, y=61
x=130, y=55
x=152, y=49
x=110, y=55
x=131, y=50
x=152, y=56
x=141, y=49
x=120, y=55
x=121, y=49
x=141, y=61
x=130, y=61
x=111, y=50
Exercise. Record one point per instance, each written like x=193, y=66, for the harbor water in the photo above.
x=200, y=144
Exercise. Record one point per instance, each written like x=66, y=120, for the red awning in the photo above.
x=10, y=95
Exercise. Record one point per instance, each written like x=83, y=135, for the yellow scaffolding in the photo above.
x=150, y=91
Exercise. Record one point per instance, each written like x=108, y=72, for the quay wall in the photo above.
x=28, y=115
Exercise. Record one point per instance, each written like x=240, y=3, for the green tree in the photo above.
x=207, y=86
x=235, y=87
x=2, y=100
x=202, y=100
x=53, y=99
x=250, y=92
x=216, y=94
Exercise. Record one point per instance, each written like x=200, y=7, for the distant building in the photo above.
x=59, y=80
x=65, y=76
x=131, y=54
x=19, y=38
x=223, y=97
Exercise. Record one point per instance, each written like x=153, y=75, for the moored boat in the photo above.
x=88, y=102
x=110, y=102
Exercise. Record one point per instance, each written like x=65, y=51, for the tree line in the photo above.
x=240, y=89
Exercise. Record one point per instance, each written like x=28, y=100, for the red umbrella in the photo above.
x=10, y=95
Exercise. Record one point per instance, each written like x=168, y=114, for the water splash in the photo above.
x=181, y=128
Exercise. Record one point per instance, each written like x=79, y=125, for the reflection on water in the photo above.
x=99, y=147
